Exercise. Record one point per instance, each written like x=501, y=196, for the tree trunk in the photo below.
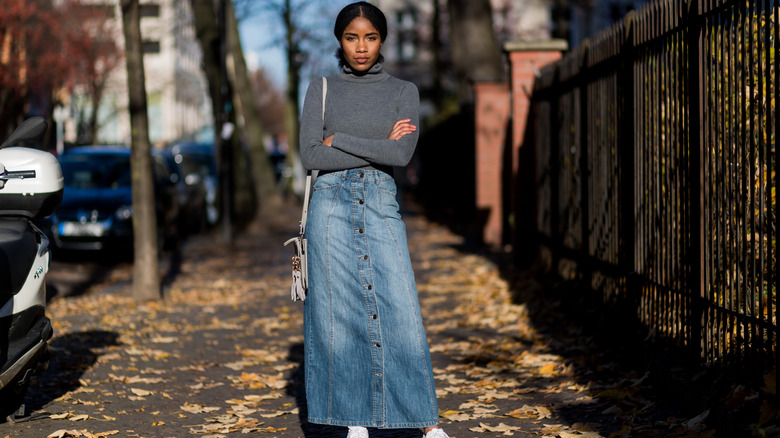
x=292, y=107
x=476, y=54
x=207, y=32
x=146, y=279
x=240, y=187
x=438, y=55
x=292, y=94
x=261, y=169
x=97, y=95
x=235, y=183
x=11, y=111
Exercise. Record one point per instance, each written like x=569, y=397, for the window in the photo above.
x=150, y=10
x=407, y=38
x=150, y=47
x=91, y=171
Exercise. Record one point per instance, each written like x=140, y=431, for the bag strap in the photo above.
x=312, y=176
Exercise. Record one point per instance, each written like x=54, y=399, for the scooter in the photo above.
x=30, y=188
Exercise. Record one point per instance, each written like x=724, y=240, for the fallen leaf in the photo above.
x=697, y=423
x=548, y=370
x=543, y=412
x=197, y=409
x=506, y=429
x=62, y=433
x=578, y=434
x=279, y=413
x=140, y=392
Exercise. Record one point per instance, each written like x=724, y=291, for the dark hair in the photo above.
x=355, y=10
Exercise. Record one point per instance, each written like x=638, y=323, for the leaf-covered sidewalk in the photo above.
x=221, y=355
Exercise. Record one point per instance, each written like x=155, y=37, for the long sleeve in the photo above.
x=384, y=151
x=314, y=154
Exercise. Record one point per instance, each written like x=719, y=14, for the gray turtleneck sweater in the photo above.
x=360, y=110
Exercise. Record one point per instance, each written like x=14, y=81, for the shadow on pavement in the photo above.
x=601, y=347
x=71, y=355
x=73, y=273
x=175, y=259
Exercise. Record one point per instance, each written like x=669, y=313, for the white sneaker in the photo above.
x=357, y=432
x=436, y=433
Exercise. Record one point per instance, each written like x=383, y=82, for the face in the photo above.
x=361, y=43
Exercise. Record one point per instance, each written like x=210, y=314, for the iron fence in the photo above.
x=655, y=147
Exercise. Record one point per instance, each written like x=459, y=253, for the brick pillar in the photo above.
x=526, y=58
x=491, y=111
x=502, y=109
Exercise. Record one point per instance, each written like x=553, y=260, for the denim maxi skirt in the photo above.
x=367, y=358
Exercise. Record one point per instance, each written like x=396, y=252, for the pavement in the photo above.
x=221, y=355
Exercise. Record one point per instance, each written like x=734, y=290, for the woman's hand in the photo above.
x=401, y=128
x=328, y=141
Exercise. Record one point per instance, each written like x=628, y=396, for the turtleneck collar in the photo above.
x=375, y=74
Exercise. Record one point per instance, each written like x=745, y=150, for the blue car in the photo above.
x=96, y=211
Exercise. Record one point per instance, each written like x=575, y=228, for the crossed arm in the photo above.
x=344, y=151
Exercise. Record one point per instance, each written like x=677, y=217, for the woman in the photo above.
x=367, y=357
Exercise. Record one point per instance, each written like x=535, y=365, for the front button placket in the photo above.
x=361, y=237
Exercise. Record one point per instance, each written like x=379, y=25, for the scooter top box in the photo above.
x=30, y=182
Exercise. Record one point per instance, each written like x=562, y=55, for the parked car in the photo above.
x=196, y=168
x=97, y=208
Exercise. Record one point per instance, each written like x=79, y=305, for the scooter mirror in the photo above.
x=31, y=129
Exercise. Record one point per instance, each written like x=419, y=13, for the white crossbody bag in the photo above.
x=300, y=266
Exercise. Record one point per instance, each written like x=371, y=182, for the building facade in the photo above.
x=177, y=91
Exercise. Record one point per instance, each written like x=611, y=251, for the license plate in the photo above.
x=79, y=229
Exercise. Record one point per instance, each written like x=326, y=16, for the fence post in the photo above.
x=556, y=239
x=696, y=251
x=526, y=59
x=586, y=268
x=627, y=159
